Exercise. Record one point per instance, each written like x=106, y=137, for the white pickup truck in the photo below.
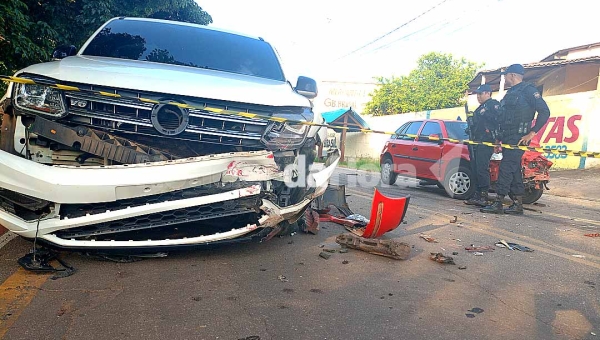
x=158, y=134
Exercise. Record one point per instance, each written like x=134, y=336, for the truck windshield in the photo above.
x=456, y=130
x=186, y=45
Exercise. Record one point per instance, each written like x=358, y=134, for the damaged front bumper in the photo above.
x=169, y=204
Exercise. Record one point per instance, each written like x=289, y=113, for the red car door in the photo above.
x=401, y=149
x=427, y=153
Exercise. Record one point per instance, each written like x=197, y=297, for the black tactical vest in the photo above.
x=485, y=121
x=516, y=114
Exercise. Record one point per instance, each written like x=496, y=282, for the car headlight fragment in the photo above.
x=40, y=99
x=288, y=133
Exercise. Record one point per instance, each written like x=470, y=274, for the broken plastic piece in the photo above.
x=386, y=215
x=592, y=235
x=441, y=258
x=310, y=222
x=38, y=260
x=358, y=218
x=428, y=238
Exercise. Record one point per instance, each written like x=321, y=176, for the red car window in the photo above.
x=412, y=129
x=431, y=128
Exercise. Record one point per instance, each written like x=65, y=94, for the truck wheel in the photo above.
x=459, y=183
x=532, y=195
x=388, y=176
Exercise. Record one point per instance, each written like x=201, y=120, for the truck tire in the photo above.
x=388, y=176
x=459, y=183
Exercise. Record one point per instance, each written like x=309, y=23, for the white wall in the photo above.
x=369, y=145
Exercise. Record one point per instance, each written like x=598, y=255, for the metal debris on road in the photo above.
x=282, y=278
x=477, y=253
x=578, y=256
x=389, y=248
x=441, y=258
x=428, y=238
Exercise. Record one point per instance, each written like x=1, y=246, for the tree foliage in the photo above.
x=31, y=29
x=438, y=82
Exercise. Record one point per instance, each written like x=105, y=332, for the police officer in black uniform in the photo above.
x=517, y=110
x=484, y=129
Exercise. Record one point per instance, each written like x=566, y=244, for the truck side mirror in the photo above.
x=306, y=87
x=63, y=51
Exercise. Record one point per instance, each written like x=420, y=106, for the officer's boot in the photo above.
x=480, y=199
x=516, y=208
x=496, y=207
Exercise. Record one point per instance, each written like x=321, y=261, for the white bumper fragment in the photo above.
x=88, y=185
x=94, y=184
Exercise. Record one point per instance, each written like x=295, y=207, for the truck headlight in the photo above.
x=288, y=134
x=40, y=99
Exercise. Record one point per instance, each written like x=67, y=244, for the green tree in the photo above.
x=438, y=82
x=31, y=29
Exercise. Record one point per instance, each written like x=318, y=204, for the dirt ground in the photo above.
x=582, y=184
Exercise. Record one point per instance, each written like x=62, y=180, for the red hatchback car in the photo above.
x=432, y=161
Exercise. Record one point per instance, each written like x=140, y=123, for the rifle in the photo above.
x=471, y=128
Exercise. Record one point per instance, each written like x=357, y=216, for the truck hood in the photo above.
x=170, y=79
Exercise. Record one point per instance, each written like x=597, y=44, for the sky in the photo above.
x=325, y=39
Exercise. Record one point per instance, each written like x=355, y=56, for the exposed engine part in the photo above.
x=44, y=155
x=98, y=143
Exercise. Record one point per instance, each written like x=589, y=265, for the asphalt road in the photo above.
x=236, y=292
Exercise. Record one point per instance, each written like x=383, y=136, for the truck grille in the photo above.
x=132, y=116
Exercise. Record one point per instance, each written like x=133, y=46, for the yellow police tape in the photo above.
x=284, y=120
